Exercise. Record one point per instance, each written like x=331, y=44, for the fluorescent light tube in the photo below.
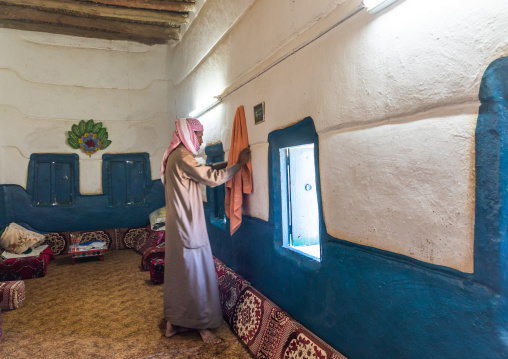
x=375, y=6
x=200, y=112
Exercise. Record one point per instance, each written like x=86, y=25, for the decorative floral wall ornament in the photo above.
x=88, y=136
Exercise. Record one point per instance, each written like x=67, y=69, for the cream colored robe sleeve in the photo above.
x=205, y=174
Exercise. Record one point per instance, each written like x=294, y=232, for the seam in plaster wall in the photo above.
x=83, y=157
x=17, y=149
x=78, y=86
x=88, y=47
x=153, y=117
x=419, y=114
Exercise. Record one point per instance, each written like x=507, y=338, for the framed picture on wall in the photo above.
x=259, y=113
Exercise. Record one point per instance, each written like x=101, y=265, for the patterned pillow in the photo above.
x=17, y=239
x=158, y=219
x=146, y=240
x=57, y=242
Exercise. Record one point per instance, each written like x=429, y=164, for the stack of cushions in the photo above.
x=12, y=294
x=16, y=239
x=26, y=268
x=24, y=254
x=156, y=250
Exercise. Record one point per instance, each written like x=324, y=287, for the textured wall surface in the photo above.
x=394, y=98
x=50, y=82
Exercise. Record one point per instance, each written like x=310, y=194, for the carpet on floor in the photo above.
x=98, y=309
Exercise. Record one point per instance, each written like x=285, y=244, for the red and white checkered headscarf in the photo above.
x=184, y=133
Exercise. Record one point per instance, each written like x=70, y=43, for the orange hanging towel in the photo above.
x=242, y=182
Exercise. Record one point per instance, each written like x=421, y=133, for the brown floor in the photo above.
x=100, y=309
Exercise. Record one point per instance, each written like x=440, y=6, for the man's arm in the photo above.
x=219, y=165
x=210, y=176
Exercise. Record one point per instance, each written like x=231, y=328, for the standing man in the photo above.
x=191, y=292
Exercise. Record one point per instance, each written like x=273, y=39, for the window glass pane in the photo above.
x=304, y=206
x=299, y=204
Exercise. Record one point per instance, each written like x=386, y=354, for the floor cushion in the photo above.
x=230, y=286
x=157, y=271
x=151, y=254
x=12, y=294
x=147, y=239
x=267, y=330
x=26, y=268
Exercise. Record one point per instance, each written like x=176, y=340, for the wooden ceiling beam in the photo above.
x=95, y=11
x=88, y=27
x=168, y=5
x=57, y=29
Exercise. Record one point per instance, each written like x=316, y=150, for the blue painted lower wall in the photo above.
x=86, y=212
x=367, y=304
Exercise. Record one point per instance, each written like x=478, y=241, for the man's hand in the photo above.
x=244, y=156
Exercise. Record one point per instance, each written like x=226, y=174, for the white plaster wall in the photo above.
x=405, y=181
x=394, y=97
x=50, y=82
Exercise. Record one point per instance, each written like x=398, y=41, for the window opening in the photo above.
x=300, y=212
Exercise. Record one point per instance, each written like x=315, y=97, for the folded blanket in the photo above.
x=35, y=252
x=88, y=246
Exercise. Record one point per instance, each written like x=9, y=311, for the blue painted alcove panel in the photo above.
x=125, y=177
x=86, y=212
x=369, y=303
x=53, y=178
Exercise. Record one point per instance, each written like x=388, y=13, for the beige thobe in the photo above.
x=191, y=293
